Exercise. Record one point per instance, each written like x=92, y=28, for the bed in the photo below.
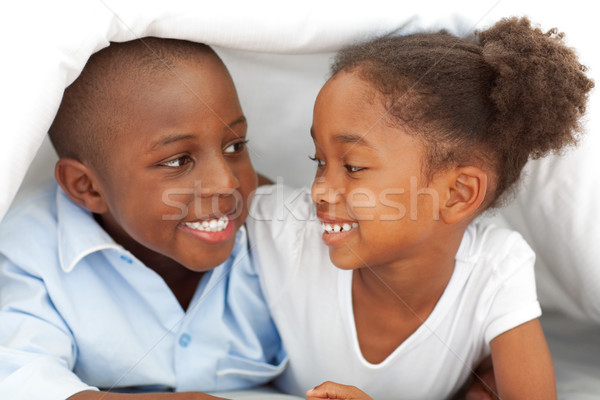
x=278, y=55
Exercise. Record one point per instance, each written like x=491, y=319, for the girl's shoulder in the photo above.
x=485, y=241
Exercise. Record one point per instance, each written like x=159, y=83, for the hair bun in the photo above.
x=540, y=88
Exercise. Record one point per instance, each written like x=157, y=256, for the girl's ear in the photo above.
x=81, y=184
x=467, y=190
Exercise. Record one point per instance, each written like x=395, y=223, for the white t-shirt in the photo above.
x=492, y=290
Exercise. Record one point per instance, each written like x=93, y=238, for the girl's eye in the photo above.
x=351, y=168
x=320, y=163
x=235, y=147
x=176, y=162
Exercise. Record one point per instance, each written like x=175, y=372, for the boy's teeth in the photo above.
x=335, y=228
x=211, y=225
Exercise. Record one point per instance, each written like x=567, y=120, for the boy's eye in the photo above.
x=176, y=162
x=235, y=147
x=352, y=168
x=320, y=163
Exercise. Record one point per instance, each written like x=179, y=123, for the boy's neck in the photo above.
x=182, y=281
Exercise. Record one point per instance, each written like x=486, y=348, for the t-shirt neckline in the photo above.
x=462, y=270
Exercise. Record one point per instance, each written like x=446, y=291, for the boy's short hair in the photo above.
x=94, y=106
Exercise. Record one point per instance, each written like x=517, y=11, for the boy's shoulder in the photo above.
x=28, y=235
x=31, y=215
x=46, y=229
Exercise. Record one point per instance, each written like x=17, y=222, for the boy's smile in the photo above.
x=179, y=175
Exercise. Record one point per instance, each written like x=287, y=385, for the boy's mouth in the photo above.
x=209, y=225
x=213, y=230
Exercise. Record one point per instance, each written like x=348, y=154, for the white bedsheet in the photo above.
x=575, y=348
x=278, y=53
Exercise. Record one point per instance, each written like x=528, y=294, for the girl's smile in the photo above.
x=360, y=160
x=335, y=231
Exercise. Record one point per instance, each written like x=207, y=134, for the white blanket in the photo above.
x=278, y=52
x=46, y=44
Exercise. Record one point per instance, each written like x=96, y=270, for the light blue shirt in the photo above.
x=78, y=312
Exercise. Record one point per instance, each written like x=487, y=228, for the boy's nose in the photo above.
x=218, y=179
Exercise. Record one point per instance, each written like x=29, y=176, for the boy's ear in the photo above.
x=466, y=192
x=80, y=183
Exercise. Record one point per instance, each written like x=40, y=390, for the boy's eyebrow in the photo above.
x=177, y=137
x=170, y=139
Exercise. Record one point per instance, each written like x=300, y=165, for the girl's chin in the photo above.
x=345, y=261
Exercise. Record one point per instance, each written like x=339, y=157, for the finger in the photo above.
x=332, y=390
x=329, y=390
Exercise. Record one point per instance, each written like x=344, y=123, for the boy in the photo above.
x=109, y=281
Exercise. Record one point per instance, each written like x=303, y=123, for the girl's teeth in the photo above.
x=213, y=225
x=337, y=228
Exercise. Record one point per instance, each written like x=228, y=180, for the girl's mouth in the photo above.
x=338, y=227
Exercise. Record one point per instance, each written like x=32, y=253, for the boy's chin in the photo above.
x=211, y=258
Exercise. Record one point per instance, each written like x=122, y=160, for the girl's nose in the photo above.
x=323, y=192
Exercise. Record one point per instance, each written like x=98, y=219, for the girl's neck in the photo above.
x=414, y=285
x=390, y=302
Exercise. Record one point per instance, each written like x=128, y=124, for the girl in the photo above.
x=414, y=138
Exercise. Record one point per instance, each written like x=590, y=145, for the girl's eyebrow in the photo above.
x=351, y=138
x=240, y=120
x=348, y=138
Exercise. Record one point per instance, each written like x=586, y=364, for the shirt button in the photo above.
x=126, y=259
x=184, y=340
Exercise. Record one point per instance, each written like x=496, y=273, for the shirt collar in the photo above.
x=78, y=234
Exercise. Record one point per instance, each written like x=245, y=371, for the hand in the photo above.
x=95, y=395
x=332, y=390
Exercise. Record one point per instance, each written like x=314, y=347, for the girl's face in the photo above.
x=375, y=205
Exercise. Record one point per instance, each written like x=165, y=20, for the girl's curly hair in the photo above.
x=511, y=93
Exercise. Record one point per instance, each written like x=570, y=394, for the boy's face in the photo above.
x=179, y=174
